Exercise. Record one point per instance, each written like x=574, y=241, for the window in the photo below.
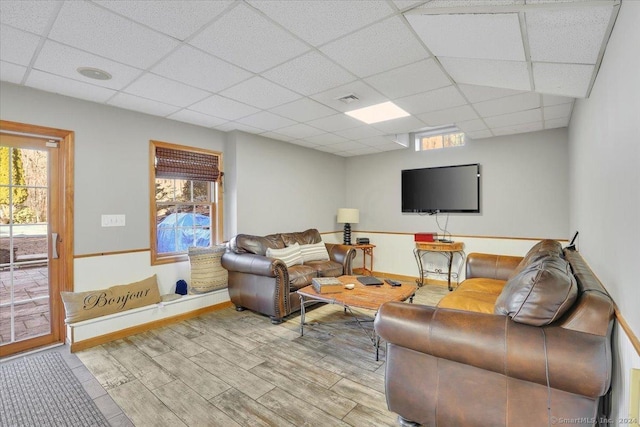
x=186, y=201
x=436, y=138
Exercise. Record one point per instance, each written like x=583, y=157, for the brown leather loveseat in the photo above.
x=521, y=342
x=265, y=271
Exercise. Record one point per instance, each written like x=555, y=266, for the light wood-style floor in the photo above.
x=231, y=368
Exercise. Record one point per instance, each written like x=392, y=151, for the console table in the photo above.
x=446, y=249
x=367, y=251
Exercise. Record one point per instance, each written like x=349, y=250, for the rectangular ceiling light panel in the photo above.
x=378, y=113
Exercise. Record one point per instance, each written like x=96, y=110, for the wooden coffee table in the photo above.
x=369, y=297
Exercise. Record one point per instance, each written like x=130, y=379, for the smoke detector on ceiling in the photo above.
x=348, y=99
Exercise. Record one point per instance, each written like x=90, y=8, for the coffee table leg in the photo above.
x=301, y=315
x=377, y=344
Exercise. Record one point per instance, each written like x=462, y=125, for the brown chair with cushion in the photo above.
x=522, y=342
x=265, y=271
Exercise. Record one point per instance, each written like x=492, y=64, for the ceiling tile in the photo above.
x=33, y=16
x=479, y=134
x=513, y=119
x=91, y=28
x=401, y=125
x=266, y=120
x=303, y=109
x=300, y=131
x=451, y=115
x=178, y=19
x=471, y=126
x=376, y=141
x=164, y=90
x=244, y=128
x=335, y=123
x=225, y=108
x=439, y=99
x=332, y=148
x=278, y=136
x=556, y=123
x=131, y=102
x=310, y=73
x=338, y=17
x=361, y=52
x=555, y=100
x=433, y=4
x=484, y=93
x=509, y=104
x=421, y=76
x=404, y=4
x=350, y=145
x=260, y=93
x=366, y=96
x=196, y=118
x=196, y=68
x=11, y=73
x=49, y=60
x=45, y=81
x=567, y=35
x=514, y=129
x=562, y=79
x=479, y=36
x=359, y=132
x=363, y=151
x=483, y=72
x=303, y=143
x=246, y=38
x=557, y=111
x=326, y=139
x=17, y=46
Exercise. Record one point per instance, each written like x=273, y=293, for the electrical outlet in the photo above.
x=634, y=398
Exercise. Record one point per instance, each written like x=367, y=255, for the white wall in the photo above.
x=283, y=187
x=605, y=183
x=524, y=187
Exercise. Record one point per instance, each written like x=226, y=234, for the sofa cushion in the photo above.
x=314, y=252
x=538, y=251
x=302, y=238
x=541, y=293
x=246, y=243
x=207, y=274
x=300, y=276
x=326, y=268
x=290, y=255
x=482, y=284
x=478, y=301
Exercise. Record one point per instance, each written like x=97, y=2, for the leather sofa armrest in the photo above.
x=576, y=362
x=491, y=266
x=343, y=254
x=251, y=264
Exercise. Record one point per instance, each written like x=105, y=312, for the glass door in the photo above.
x=30, y=196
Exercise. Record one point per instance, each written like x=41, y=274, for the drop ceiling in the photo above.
x=279, y=68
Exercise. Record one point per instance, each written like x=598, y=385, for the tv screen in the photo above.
x=441, y=189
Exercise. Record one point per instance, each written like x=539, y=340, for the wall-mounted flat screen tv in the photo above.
x=441, y=189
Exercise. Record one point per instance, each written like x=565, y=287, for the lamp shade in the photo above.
x=348, y=216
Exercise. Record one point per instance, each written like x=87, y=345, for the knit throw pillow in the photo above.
x=314, y=252
x=290, y=255
x=207, y=273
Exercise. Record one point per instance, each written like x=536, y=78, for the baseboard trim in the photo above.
x=123, y=333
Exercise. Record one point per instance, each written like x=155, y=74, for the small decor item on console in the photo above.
x=327, y=285
x=362, y=240
x=425, y=237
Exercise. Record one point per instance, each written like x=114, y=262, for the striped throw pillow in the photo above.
x=290, y=255
x=314, y=252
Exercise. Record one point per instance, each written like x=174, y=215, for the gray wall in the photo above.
x=605, y=186
x=111, y=160
x=524, y=187
x=284, y=187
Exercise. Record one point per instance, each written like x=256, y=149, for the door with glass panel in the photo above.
x=30, y=233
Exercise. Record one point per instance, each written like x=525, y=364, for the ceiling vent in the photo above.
x=348, y=99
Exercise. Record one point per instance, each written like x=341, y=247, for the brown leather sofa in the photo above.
x=522, y=342
x=266, y=285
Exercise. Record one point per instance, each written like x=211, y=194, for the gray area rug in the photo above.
x=41, y=390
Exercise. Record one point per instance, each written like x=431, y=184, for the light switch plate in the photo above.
x=113, y=220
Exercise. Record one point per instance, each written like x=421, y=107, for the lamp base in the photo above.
x=347, y=234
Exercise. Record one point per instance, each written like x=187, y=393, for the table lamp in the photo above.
x=348, y=216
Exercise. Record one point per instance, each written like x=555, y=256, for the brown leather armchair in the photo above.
x=267, y=285
x=448, y=366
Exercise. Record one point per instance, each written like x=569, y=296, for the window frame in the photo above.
x=438, y=132
x=216, y=201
